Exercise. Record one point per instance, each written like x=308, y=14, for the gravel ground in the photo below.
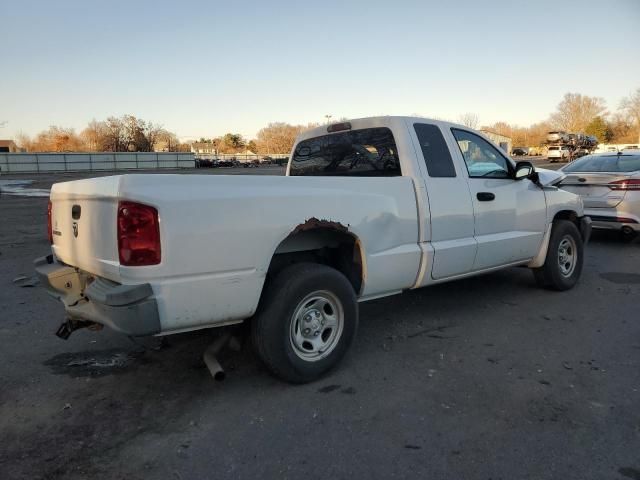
x=485, y=378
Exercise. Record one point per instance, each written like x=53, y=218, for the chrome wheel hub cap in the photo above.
x=567, y=255
x=316, y=325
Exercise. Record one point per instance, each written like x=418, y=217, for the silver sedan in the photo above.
x=609, y=184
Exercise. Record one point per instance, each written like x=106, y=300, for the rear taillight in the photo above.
x=49, y=228
x=629, y=184
x=138, y=234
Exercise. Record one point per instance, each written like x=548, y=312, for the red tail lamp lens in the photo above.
x=630, y=184
x=138, y=234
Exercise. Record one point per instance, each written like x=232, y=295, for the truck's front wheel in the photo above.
x=563, y=264
x=306, y=321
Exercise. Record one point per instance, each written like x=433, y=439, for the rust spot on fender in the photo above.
x=313, y=223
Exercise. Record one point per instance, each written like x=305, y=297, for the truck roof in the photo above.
x=372, y=122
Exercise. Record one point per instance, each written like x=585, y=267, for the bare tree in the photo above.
x=502, y=128
x=469, y=120
x=154, y=133
x=113, y=135
x=94, y=136
x=277, y=137
x=576, y=111
x=230, y=143
x=166, y=141
x=631, y=105
x=24, y=141
x=623, y=128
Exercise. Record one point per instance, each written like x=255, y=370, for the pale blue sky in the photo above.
x=203, y=68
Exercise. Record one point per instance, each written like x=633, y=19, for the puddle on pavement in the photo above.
x=20, y=188
x=621, y=277
x=95, y=364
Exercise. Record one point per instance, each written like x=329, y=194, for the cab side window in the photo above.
x=483, y=160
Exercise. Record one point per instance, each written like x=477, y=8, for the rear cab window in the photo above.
x=368, y=152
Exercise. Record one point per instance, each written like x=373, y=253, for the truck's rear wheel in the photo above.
x=565, y=256
x=306, y=322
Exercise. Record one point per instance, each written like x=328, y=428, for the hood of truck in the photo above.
x=549, y=178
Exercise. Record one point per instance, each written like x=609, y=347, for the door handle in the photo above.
x=485, y=196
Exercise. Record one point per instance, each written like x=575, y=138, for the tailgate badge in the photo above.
x=75, y=229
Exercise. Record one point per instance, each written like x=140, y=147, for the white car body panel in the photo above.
x=219, y=233
x=610, y=209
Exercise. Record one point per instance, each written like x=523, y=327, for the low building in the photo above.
x=9, y=146
x=616, y=147
x=203, y=148
x=500, y=140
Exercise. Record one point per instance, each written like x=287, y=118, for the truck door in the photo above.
x=450, y=205
x=510, y=215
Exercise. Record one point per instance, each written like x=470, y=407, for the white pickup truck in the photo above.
x=368, y=208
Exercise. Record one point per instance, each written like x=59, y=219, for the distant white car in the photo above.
x=609, y=184
x=557, y=136
x=557, y=152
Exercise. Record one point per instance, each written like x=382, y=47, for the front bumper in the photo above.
x=129, y=309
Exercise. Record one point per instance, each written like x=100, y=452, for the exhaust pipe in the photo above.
x=627, y=231
x=210, y=360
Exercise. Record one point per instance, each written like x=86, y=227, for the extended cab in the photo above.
x=368, y=208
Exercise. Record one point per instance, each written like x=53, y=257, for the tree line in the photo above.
x=576, y=113
x=276, y=137
x=115, y=134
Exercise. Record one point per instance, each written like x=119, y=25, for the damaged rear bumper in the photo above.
x=129, y=309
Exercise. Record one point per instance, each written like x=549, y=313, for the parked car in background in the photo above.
x=518, y=152
x=557, y=137
x=204, y=163
x=609, y=184
x=558, y=153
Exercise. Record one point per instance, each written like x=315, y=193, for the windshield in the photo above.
x=369, y=152
x=605, y=163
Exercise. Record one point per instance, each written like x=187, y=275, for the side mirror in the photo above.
x=524, y=170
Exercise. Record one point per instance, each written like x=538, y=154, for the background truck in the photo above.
x=569, y=146
x=368, y=208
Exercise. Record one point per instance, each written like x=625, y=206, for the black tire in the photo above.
x=628, y=236
x=554, y=274
x=271, y=327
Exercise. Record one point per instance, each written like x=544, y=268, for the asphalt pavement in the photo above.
x=484, y=378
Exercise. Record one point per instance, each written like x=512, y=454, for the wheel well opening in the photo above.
x=329, y=244
x=572, y=217
x=566, y=215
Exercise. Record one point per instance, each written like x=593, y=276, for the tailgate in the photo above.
x=594, y=188
x=83, y=220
